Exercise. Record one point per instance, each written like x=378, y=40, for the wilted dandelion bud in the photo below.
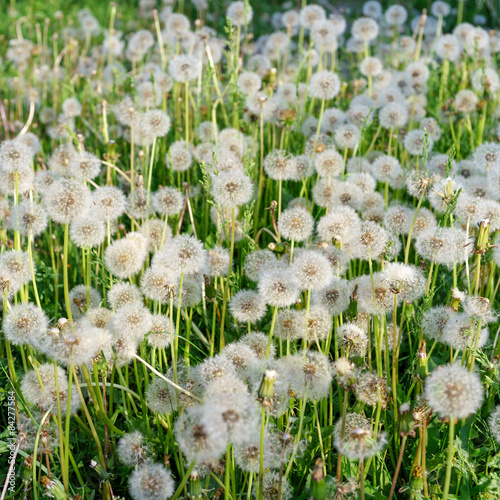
x=318, y=484
x=406, y=422
x=266, y=389
x=453, y=392
x=53, y=488
x=482, y=241
x=344, y=371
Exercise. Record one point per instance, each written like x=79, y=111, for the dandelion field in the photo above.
x=249, y=251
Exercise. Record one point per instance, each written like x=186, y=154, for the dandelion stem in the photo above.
x=449, y=460
x=65, y=272
x=398, y=466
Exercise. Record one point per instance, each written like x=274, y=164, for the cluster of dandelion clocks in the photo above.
x=251, y=255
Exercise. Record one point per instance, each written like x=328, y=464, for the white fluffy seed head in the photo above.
x=324, y=85
x=25, y=324
x=278, y=288
x=29, y=218
x=311, y=270
x=125, y=257
x=232, y=189
x=87, y=232
x=453, y=392
x=296, y=224
x=108, y=203
x=247, y=306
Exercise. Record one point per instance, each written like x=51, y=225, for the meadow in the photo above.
x=249, y=250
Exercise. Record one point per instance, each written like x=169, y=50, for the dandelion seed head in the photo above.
x=25, y=324
x=29, y=218
x=125, y=257
x=296, y=224
x=453, y=392
x=87, y=232
x=365, y=29
x=132, y=450
x=359, y=441
x=46, y=397
x=310, y=15
x=247, y=306
x=324, y=85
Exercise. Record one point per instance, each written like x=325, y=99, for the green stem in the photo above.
x=449, y=460
x=65, y=271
